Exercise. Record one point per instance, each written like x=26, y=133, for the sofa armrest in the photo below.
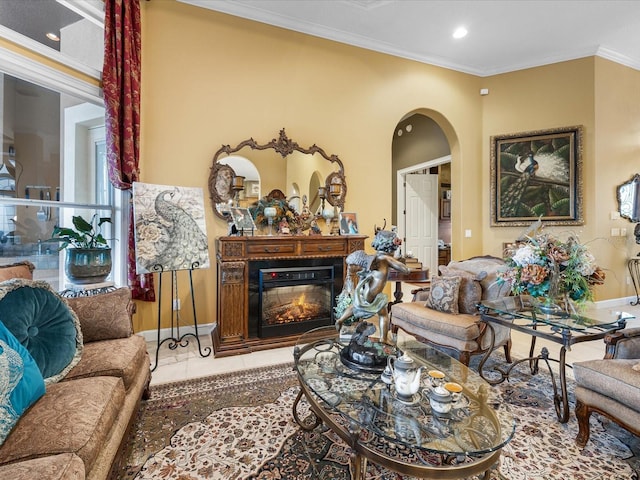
x=420, y=294
x=623, y=344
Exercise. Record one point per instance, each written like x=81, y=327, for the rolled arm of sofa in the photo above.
x=623, y=344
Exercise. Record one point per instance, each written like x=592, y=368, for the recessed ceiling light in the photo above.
x=408, y=128
x=460, y=32
x=400, y=132
x=53, y=36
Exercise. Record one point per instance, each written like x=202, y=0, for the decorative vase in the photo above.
x=560, y=305
x=88, y=265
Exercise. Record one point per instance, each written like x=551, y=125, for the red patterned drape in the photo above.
x=121, y=86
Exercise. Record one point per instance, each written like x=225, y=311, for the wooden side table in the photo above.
x=414, y=276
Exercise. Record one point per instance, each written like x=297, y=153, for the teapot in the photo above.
x=406, y=375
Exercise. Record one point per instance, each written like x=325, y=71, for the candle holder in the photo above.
x=335, y=189
x=237, y=186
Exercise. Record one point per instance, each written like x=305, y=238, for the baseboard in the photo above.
x=205, y=329
x=152, y=335
x=616, y=302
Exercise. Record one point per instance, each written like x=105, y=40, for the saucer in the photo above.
x=413, y=400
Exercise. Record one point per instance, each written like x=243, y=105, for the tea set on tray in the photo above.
x=404, y=375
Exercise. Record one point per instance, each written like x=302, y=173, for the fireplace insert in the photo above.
x=288, y=299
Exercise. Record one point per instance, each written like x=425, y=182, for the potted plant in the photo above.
x=88, y=256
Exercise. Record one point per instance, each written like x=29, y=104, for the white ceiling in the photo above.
x=504, y=35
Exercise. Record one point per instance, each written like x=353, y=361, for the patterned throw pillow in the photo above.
x=443, y=294
x=470, y=292
x=21, y=382
x=105, y=316
x=17, y=270
x=44, y=324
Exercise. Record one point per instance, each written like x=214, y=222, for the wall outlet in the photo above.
x=467, y=233
x=623, y=232
x=176, y=304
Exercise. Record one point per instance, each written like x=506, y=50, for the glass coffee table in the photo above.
x=404, y=435
x=524, y=314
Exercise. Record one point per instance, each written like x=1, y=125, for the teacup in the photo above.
x=436, y=377
x=455, y=389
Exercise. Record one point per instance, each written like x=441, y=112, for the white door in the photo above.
x=421, y=219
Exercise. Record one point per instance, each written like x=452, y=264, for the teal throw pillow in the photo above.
x=44, y=324
x=21, y=382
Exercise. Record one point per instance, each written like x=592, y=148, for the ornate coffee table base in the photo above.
x=361, y=453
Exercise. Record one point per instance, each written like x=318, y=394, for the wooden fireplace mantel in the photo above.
x=233, y=254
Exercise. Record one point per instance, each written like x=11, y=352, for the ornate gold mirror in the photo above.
x=281, y=164
x=628, y=199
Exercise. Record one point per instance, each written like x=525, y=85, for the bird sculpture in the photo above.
x=510, y=199
x=184, y=244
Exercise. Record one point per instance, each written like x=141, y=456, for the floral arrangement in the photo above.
x=283, y=212
x=543, y=266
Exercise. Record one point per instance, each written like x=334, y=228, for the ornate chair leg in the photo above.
x=465, y=357
x=583, y=412
x=507, y=351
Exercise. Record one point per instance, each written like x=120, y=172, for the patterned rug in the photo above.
x=239, y=426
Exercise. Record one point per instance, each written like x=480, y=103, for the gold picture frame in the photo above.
x=537, y=175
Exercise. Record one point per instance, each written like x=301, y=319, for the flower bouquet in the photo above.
x=283, y=212
x=551, y=271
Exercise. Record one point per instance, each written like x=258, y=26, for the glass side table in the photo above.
x=522, y=314
x=634, y=271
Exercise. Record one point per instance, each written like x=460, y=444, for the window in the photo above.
x=53, y=138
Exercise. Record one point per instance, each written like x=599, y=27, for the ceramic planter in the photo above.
x=88, y=265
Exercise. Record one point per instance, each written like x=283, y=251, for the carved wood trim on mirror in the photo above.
x=629, y=199
x=221, y=175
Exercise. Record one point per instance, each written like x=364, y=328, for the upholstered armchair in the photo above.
x=610, y=386
x=445, y=314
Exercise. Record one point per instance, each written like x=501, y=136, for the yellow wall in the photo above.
x=617, y=154
x=603, y=97
x=211, y=79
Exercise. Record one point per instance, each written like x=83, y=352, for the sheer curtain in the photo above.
x=121, y=85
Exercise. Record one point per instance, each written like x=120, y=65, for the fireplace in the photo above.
x=289, y=297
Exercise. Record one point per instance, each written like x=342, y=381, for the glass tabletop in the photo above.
x=531, y=309
x=477, y=424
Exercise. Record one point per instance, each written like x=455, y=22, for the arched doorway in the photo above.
x=421, y=162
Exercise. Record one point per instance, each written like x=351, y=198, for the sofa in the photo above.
x=445, y=313
x=74, y=427
x=610, y=386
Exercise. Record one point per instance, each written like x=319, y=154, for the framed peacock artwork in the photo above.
x=170, y=228
x=537, y=175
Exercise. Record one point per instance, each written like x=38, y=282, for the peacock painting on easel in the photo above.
x=170, y=229
x=537, y=175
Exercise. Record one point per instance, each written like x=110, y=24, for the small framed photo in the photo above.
x=348, y=223
x=242, y=219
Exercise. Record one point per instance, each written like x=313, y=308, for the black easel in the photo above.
x=175, y=340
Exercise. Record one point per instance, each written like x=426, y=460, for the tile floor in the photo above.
x=186, y=363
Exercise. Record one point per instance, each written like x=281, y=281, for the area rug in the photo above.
x=239, y=426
